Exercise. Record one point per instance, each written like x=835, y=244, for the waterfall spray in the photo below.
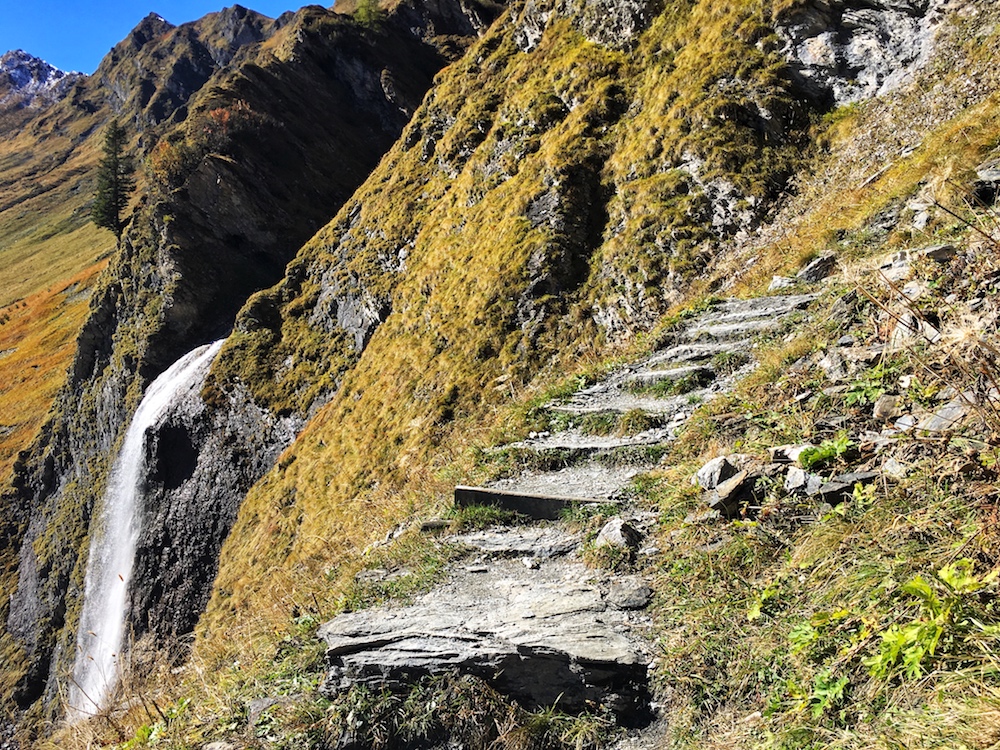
x=101, y=632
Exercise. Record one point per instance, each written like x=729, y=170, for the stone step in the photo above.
x=699, y=374
x=759, y=307
x=684, y=354
x=542, y=636
x=548, y=507
x=620, y=402
x=585, y=480
x=737, y=330
x=575, y=440
x=544, y=542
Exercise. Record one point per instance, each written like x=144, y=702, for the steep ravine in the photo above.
x=266, y=152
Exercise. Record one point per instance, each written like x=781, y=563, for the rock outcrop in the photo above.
x=846, y=50
x=202, y=461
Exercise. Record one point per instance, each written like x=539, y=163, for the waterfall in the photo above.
x=101, y=632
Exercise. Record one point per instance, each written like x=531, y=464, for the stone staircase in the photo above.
x=521, y=609
x=705, y=357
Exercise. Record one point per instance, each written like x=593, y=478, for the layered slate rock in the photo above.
x=543, y=635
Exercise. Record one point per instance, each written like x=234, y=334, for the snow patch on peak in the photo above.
x=26, y=80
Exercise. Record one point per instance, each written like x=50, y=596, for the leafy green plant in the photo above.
x=947, y=612
x=827, y=691
x=862, y=498
x=825, y=452
x=872, y=385
x=764, y=602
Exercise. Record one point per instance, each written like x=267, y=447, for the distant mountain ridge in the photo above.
x=26, y=80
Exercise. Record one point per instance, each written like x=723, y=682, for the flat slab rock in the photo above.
x=580, y=480
x=522, y=541
x=538, y=635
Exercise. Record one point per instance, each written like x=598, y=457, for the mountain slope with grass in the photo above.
x=253, y=133
x=566, y=215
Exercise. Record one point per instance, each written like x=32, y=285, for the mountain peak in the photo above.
x=152, y=26
x=26, y=80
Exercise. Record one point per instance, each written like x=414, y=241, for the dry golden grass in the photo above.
x=37, y=343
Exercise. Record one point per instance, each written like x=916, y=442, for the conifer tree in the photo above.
x=115, y=181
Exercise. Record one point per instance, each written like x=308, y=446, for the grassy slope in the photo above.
x=37, y=341
x=463, y=314
x=49, y=256
x=45, y=231
x=398, y=434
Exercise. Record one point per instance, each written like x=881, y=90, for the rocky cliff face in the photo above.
x=847, y=51
x=262, y=156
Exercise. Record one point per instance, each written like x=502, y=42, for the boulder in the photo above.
x=818, y=268
x=986, y=186
x=947, y=418
x=630, y=593
x=801, y=482
x=730, y=496
x=781, y=282
x=788, y=454
x=841, y=487
x=895, y=469
x=618, y=533
x=717, y=470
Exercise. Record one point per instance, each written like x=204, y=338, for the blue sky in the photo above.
x=75, y=35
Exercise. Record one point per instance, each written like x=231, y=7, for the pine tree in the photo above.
x=115, y=181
